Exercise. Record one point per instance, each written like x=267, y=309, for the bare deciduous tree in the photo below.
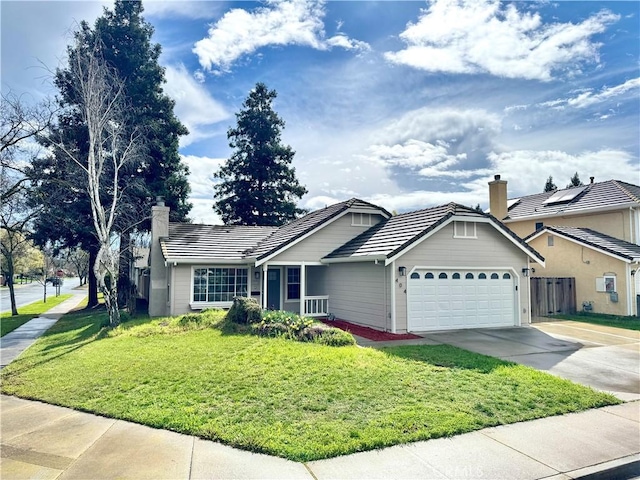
x=112, y=144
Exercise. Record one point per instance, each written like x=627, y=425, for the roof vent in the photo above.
x=592, y=179
x=496, y=177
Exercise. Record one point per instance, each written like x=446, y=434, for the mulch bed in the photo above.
x=369, y=333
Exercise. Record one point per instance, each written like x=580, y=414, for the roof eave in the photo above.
x=565, y=213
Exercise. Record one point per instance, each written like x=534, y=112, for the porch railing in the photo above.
x=316, y=306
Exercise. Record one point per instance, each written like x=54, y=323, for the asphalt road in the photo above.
x=26, y=294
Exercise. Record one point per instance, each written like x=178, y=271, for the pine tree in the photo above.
x=257, y=184
x=550, y=186
x=126, y=47
x=575, y=181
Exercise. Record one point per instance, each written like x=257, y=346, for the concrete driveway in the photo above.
x=601, y=357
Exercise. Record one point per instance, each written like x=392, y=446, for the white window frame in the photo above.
x=608, y=278
x=200, y=304
x=463, y=229
x=286, y=284
x=361, y=220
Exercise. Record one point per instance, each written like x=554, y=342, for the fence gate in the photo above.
x=552, y=295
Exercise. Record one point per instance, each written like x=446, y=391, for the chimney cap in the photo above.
x=160, y=201
x=496, y=177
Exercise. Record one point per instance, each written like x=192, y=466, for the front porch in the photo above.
x=296, y=288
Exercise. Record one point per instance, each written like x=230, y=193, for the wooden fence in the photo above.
x=552, y=295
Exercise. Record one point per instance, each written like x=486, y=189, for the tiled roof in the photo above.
x=607, y=194
x=600, y=241
x=391, y=237
x=230, y=242
x=292, y=231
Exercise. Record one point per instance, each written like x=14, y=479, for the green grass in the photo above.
x=630, y=323
x=300, y=401
x=26, y=313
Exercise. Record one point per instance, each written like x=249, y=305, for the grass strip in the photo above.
x=9, y=323
x=300, y=401
x=629, y=323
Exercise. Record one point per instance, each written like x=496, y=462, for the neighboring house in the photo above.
x=591, y=232
x=441, y=268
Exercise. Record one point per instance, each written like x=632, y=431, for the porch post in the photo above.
x=303, y=288
x=264, y=286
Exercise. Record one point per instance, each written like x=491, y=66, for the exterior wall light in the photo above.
x=402, y=271
x=256, y=275
x=525, y=271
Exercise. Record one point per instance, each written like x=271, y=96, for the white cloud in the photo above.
x=280, y=22
x=195, y=107
x=482, y=36
x=587, y=99
x=201, y=170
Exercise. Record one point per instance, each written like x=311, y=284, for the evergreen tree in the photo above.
x=127, y=48
x=257, y=184
x=550, y=186
x=575, y=181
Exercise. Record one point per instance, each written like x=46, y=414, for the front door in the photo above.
x=273, y=289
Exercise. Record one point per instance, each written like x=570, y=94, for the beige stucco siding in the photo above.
x=324, y=241
x=357, y=293
x=619, y=224
x=490, y=249
x=568, y=259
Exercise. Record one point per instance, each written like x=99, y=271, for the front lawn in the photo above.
x=26, y=313
x=301, y=401
x=630, y=323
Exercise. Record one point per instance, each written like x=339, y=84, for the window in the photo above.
x=428, y=275
x=293, y=283
x=219, y=284
x=494, y=276
x=550, y=241
x=482, y=276
x=361, y=220
x=506, y=276
x=469, y=276
x=539, y=226
x=464, y=230
x=456, y=276
x=415, y=275
x=442, y=275
x=609, y=283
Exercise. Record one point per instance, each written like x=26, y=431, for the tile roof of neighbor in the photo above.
x=297, y=228
x=596, y=195
x=391, y=237
x=231, y=242
x=598, y=240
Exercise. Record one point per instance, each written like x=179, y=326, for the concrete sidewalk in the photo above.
x=16, y=342
x=45, y=442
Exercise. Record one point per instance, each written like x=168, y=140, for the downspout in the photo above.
x=528, y=282
x=264, y=286
x=172, y=290
x=303, y=288
x=629, y=279
x=393, y=297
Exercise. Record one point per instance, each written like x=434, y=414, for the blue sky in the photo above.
x=405, y=104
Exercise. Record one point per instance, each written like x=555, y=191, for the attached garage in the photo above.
x=444, y=299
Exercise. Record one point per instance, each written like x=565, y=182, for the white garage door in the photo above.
x=450, y=299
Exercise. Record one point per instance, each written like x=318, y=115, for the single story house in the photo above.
x=447, y=267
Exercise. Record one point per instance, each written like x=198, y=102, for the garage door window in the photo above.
x=415, y=275
x=469, y=276
x=442, y=275
x=506, y=276
x=494, y=276
x=482, y=276
x=429, y=276
x=456, y=276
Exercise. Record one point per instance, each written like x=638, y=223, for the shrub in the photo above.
x=244, y=310
x=334, y=337
x=290, y=325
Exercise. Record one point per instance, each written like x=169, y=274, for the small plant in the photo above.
x=245, y=310
x=290, y=325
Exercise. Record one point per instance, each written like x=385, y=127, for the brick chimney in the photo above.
x=158, y=287
x=498, y=197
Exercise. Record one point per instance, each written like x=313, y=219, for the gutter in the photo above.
x=565, y=213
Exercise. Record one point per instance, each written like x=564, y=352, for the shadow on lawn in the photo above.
x=447, y=356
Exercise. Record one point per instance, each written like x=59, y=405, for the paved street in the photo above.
x=29, y=293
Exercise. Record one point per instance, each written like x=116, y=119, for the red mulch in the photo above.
x=368, y=333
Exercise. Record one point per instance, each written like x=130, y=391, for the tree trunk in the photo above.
x=93, y=284
x=12, y=292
